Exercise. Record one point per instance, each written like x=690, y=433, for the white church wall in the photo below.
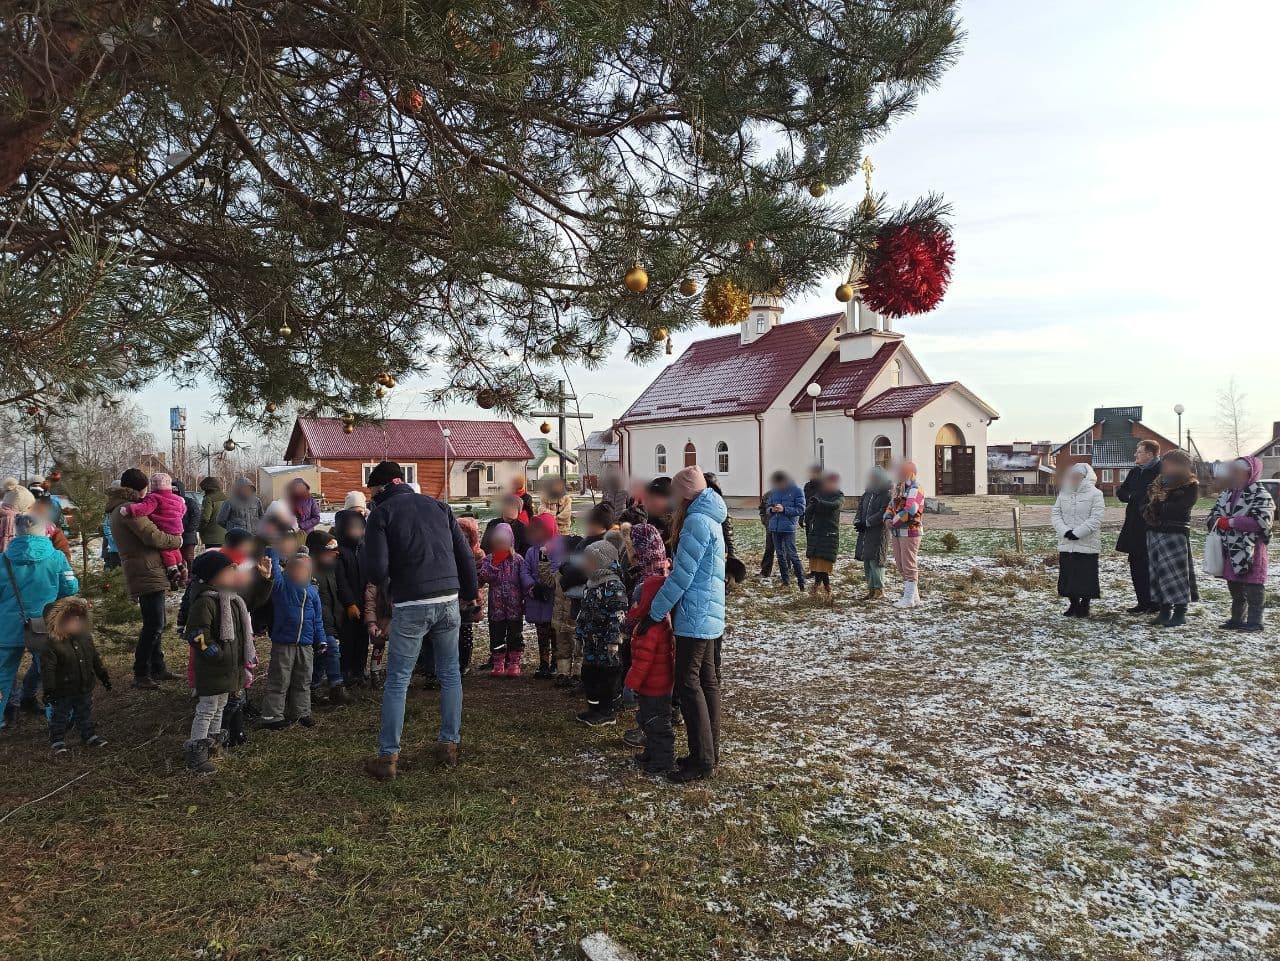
x=950, y=408
x=739, y=434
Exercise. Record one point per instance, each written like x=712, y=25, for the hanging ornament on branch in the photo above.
x=636, y=279
x=725, y=303
x=909, y=269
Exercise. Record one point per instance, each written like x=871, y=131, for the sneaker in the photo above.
x=164, y=674
x=96, y=740
x=595, y=718
x=634, y=737
x=307, y=721
x=145, y=684
x=59, y=748
x=273, y=723
x=677, y=719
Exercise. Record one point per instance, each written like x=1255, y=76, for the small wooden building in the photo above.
x=446, y=458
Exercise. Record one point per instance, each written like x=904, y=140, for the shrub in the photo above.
x=950, y=542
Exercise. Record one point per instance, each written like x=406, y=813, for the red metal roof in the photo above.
x=720, y=377
x=843, y=384
x=322, y=437
x=901, y=401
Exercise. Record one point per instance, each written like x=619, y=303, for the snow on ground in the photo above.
x=982, y=778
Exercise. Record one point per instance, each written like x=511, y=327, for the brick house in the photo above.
x=1022, y=467
x=1108, y=445
x=1270, y=453
x=446, y=458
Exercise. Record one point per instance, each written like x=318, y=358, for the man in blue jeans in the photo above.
x=415, y=550
x=784, y=506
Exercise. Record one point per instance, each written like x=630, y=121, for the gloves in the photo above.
x=106, y=682
x=1224, y=523
x=353, y=612
x=322, y=647
x=1071, y=536
x=541, y=592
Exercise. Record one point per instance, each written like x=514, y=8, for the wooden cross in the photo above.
x=562, y=416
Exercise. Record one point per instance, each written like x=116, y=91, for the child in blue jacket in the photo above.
x=297, y=638
x=784, y=506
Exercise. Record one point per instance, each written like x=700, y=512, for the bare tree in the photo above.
x=1234, y=425
x=103, y=437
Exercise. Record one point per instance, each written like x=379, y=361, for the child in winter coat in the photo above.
x=297, y=638
x=220, y=633
x=652, y=676
x=539, y=607
x=1244, y=516
x=167, y=510
x=471, y=616
x=599, y=632
x=69, y=666
x=510, y=508
x=904, y=518
x=352, y=630
x=508, y=579
x=323, y=548
x=785, y=506
x=557, y=502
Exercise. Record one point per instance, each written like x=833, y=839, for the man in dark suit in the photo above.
x=1133, y=535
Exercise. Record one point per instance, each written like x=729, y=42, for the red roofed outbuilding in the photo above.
x=739, y=405
x=478, y=457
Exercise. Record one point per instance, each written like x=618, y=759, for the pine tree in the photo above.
x=293, y=197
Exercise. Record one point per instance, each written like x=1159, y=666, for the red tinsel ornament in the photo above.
x=909, y=270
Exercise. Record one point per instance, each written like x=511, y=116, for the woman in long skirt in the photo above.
x=1168, y=515
x=1077, y=517
x=823, y=543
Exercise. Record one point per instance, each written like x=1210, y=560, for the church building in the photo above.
x=842, y=389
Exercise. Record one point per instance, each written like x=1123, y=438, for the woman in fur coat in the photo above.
x=1077, y=517
x=1243, y=517
x=1168, y=515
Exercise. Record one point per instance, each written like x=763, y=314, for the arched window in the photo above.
x=822, y=452
x=761, y=323
x=897, y=373
x=882, y=452
x=660, y=459
x=722, y=458
x=690, y=455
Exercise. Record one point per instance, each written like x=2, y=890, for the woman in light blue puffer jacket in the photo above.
x=694, y=597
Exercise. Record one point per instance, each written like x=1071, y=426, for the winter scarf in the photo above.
x=1251, y=501
x=231, y=604
x=1170, y=499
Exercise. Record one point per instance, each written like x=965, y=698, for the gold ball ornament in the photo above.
x=410, y=100
x=725, y=304
x=559, y=349
x=544, y=427
x=228, y=445
x=748, y=245
x=636, y=279
x=660, y=334
x=487, y=398
x=817, y=189
x=348, y=428
x=844, y=293
x=380, y=393
x=688, y=287
x=285, y=330
x=383, y=379
x=271, y=408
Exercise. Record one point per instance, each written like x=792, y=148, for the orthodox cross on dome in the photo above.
x=562, y=416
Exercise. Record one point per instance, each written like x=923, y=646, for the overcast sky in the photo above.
x=1111, y=169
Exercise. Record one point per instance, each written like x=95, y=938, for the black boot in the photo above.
x=1082, y=609
x=1166, y=612
x=1179, y=616
x=1236, y=620
x=197, y=756
x=1073, y=609
x=1253, y=623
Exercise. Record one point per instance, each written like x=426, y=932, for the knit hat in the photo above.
x=547, y=523
x=29, y=524
x=355, y=500
x=503, y=532
x=660, y=485
x=134, y=479
x=302, y=555
x=603, y=553
x=160, y=481
x=650, y=553
x=236, y=537
x=600, y=516
x=209, y=565
x=470, y=528
x=617, y=539
x=385, y=473
x=320, y=542
x=688, y=484
x=17, y=496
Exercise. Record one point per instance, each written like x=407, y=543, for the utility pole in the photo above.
x=562, y=415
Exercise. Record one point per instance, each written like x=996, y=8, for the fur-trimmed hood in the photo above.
x=57, y=613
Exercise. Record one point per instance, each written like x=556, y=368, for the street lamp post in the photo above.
x=444, y=431
x=813, y=390
x=1179, y=409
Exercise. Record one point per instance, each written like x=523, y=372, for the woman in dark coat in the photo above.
x=1168, y=515
x=872, y=547
x=823, y=543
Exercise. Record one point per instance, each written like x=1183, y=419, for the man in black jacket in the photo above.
x=1133, y=535
x=414, y=548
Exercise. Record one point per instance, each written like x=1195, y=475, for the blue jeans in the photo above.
x=784, y=548
x=410, y=625
x=328, y=664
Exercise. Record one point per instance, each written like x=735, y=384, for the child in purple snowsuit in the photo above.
x=541, y=561
x=167, y=509
x=509, y=580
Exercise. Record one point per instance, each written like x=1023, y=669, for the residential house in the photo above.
x=446, y=458
x=1108, y=445
x=545, y=461
x=1022, y=467
x=1270, y=453
x=739, y=405
x=598, y=455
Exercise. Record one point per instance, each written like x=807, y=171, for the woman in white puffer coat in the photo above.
x=1077, y=517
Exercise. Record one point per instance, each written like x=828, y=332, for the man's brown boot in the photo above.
x=446, y=754
x=383, y=767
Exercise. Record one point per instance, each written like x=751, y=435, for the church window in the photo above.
x=722, y=458
x=660, y=459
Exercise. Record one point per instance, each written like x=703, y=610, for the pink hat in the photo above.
x=160, y=481
x=547, y=522
x=688, y=484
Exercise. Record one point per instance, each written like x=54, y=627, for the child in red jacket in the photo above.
x=652, y=677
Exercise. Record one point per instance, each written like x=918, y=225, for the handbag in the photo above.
x=35, y=633
x=1214, y=554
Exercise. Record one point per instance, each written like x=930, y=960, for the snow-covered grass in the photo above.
x=977, y=778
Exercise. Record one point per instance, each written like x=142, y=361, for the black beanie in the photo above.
x=134, y=479
x=209, y=565
x=321, y=541
x=385, y=473
x=237, y=536
x=601, y=516
x=660, y=485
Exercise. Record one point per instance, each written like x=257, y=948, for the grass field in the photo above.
x=974, y=779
